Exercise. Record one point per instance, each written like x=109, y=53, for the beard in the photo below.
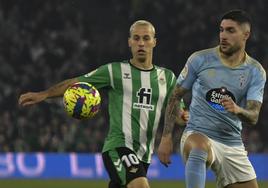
x=230, y=51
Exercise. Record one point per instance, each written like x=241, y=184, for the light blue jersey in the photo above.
x=210, y=81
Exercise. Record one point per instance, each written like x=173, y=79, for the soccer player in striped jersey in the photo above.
x=138, y=92
x=227, y=89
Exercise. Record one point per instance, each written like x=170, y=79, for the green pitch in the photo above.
x=89, y=184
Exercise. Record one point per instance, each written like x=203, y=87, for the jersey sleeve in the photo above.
x=257, y=83
x=188, y=74
x=99, y=77
x=170, y=86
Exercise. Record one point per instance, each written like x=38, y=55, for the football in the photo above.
x=81, y=100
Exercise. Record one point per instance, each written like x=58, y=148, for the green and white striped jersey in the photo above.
x=136, y=100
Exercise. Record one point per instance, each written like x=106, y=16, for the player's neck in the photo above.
x=147, y=65
x=235, y=59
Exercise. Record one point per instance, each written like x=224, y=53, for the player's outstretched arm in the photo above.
x=57, y=90
x=249, y=115
x=172, y=111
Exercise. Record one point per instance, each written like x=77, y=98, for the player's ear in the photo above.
x=246, y=35
x=154, y=42
x=246, y=30
x=129, y=42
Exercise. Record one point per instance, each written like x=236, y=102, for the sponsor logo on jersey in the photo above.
x=215, y=95
x=143, y=106
x=144, y=96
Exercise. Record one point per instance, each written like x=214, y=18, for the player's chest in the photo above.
x=143, y=87
x=235, y=81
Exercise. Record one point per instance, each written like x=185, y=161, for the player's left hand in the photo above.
x=164, y=150
x=230, y=106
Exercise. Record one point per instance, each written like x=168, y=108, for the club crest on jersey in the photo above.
x=242, y=80
x=215, y=95
x=144, y=96
x=162, y=80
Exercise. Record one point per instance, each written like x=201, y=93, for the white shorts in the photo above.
x=230, y=163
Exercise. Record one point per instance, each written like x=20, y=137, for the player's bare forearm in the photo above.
x=172, y=110
x=251, y=113
x=59, y=89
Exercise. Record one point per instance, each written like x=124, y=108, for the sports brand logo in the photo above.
x=126, y=75
x=118, y=165
x=133, y=170
x=144, y=96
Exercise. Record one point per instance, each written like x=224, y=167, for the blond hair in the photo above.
x=141, y=22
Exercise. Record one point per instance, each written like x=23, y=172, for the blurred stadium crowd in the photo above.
x=44, y=42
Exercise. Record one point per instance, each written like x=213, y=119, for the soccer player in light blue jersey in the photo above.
x=227, y=89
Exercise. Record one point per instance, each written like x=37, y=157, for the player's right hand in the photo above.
x=164, y=150
x=182, y=118
x=31, y=98
x=185, y=116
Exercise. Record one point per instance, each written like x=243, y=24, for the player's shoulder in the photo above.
x=113, y=65
x=164, y=69
x=201, y=58
x=204, y=53
x=256, y=65
x=118, y=62
x=169, y=74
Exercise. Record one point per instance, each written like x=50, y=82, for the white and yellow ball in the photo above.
x=82, y=100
